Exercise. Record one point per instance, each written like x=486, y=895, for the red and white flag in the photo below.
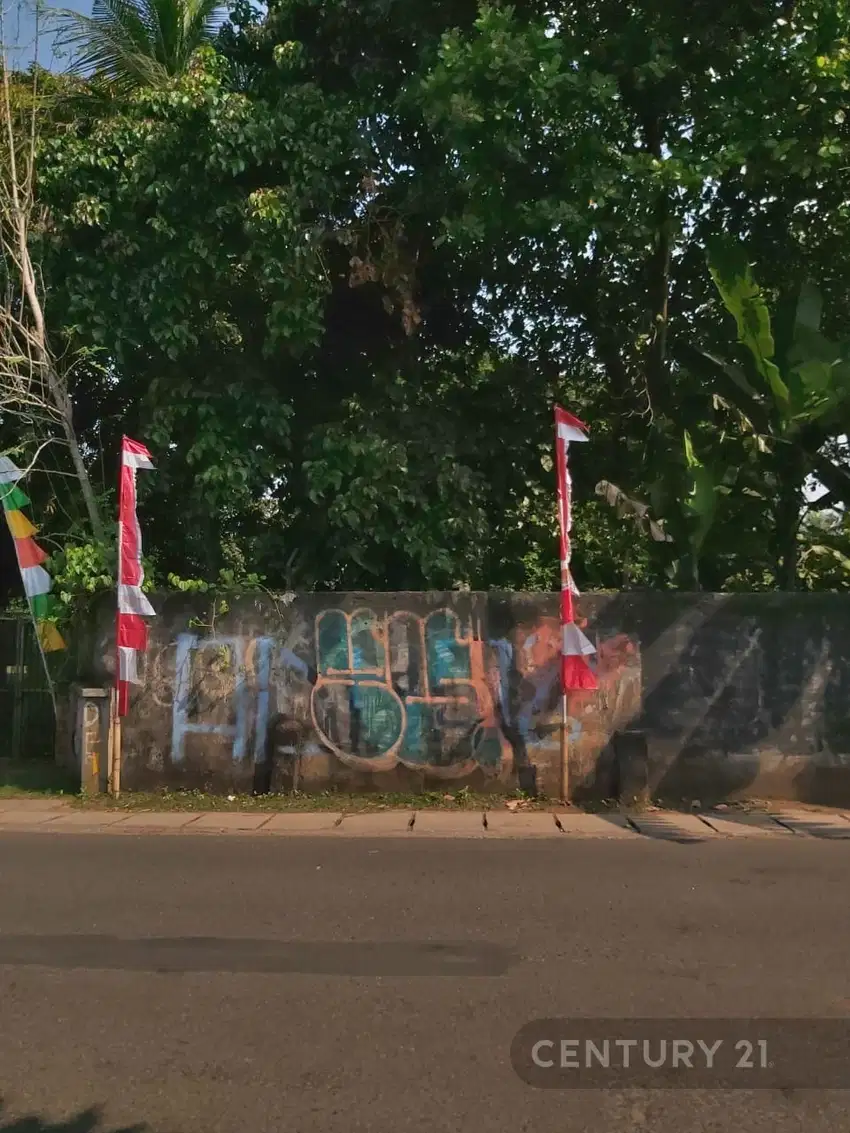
x=131, y=630
x=575, y=647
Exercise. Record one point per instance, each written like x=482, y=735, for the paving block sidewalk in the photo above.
x=56, y=816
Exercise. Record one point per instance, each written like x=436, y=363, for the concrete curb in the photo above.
x=30, y=816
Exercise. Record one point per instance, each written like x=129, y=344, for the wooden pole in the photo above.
x=114, y=746
x=565, y=752
x=110, y=741
x=115, y=716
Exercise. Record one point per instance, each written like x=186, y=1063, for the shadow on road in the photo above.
x=86, y=1121
x=226, y=954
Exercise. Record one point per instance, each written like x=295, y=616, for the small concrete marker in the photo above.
x=521, y=824
x=371, y=823
x=303, y=822
x=672, y=827
x=814, y=824
x=449, y=824
x=581, y=825
x=157, y=820
x=224, y=821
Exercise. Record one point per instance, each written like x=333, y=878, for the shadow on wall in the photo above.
x=743, y=694
x=86, y=1121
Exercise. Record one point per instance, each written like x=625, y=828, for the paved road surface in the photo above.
x=353, y=1022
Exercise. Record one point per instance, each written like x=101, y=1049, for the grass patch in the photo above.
x=41, y=778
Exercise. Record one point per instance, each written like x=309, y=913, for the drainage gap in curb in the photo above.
x=412, y=821
x=784, y=825
x=484, y=822
x=339, y=821
x=705, y=822
x=558, y=823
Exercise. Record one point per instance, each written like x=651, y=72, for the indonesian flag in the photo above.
x=131, y=630
x=575, y=647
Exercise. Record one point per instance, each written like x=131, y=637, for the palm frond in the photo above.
x=136, y=43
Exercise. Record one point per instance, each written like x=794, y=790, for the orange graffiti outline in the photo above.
x=380, y=629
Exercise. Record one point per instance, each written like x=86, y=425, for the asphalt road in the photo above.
x=293, y=985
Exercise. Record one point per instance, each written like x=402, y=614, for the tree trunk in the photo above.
x=56, y=385
x=658, y=276
x=687, y=571
x=787, y=521
x=89, y=499
x=657, y=368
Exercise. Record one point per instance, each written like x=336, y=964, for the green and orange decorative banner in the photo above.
x=37, y=582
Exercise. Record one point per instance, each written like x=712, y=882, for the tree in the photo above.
x=592, y=149
x=34, y=379
x=211, y=209
x=137, y=43
x=789, y=396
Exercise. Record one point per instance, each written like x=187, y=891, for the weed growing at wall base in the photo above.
x=296, y=800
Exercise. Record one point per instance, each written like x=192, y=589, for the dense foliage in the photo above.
x=336, y=267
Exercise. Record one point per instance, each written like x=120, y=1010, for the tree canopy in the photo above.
x=336, y=265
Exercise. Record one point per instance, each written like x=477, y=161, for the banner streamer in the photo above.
x=131, y=631
x=36, y=581
x=575, y=647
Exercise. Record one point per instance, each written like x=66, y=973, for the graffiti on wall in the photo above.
x=223, y=687
x=405, y=689
x=432, y=693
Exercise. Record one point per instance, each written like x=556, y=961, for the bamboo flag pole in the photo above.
x=50, y=685
x=131, y=633
x=115, y=747
x=565, y=750
x=575, y=671
x=115, y=705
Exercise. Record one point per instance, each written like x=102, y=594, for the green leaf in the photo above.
x=814, y=376
x=809, y=308
x=742, y=298
x=725, y=379
x=701, y=500
x=690, y=456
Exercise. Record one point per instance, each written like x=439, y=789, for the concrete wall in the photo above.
x=740, y=694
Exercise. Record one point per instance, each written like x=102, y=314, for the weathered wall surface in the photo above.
x=435, y=691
